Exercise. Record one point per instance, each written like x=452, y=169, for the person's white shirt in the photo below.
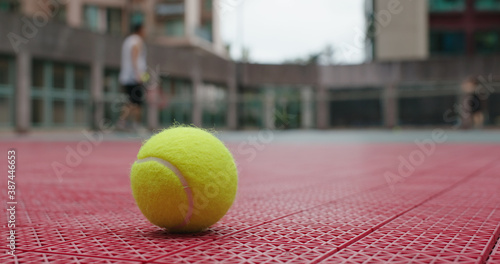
x=128, y=76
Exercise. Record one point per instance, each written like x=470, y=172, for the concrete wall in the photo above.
x=401, y=30
x=27, y=39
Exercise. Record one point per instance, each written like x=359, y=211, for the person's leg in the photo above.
x=126, y=110
x=139, y=99
x=478, y=120
x=138, y=114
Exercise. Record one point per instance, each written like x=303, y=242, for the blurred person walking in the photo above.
x=132, y=78
x=473, y=107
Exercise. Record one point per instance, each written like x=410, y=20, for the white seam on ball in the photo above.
x=182, y=179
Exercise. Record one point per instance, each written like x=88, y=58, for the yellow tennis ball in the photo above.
x=184, y=179
x=145, y=77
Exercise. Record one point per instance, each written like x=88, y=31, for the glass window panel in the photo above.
x=424, y=110
x=4, y=110
x=111, y=80
x=91, y=17
x=178, y=103
x=446, y=5
x=493, y=111
x=487, y=42
x=4, y=71
x=447, y=42
x=251, y=109
x=82, y=78
x=136, y=18
x=37, y=111
x=112, y=110
x=214, y=105
x=58, y=11
x=487, y=5
x=114, y=21
x=80, y=112
x=205, y=31
x=174, y=27
x=9, y=6
x=207, y=5
x=356, y=107
x=38, y=74
x=59, y=75
x=58, y=112
x=355, y=113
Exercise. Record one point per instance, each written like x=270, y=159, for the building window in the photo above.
x=487, y=42
x=114, y=21
x=9, y=6
x=174, y=28
x=59, y=12
x=446, y=5
x=487, y=5
x=214, y=105
x=170, y=18
x=205, y=31
x=59, y=76
x=179, y=107
x=60, y=94
x=7, y=91
x=4, y=71
x=136, y=18
x=447, y=43
x=91, y=17
x=207, y=5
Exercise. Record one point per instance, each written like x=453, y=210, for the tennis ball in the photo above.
x=184, y=179
x=145, y=77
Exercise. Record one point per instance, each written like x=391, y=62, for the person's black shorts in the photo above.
x=135, y=93
x=474, y=104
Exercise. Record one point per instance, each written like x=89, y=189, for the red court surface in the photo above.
x=296, y=203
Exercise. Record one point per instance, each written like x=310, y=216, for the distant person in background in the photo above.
x=473, y=106
x=132, y=77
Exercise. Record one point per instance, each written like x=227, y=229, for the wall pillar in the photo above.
x=97, y=85
x=74, y=13
x=23, y=92
x=322, y=109
x=232, y=91
x=152, y=94
x=390, y=106
x=306, y=95
x=197, y=83
x=269, y=109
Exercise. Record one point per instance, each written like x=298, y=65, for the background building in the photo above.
x=185, y=23
x=407, y=30
x=59, y=68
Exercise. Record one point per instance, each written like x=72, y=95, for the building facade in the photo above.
x=54, y=75
x=182, y=23
x=409, y=30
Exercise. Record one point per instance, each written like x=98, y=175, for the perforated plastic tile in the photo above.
x=296, y=204
x=494, y=256
x=39, y=258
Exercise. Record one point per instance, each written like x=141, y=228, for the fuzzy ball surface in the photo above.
x=184, y=179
